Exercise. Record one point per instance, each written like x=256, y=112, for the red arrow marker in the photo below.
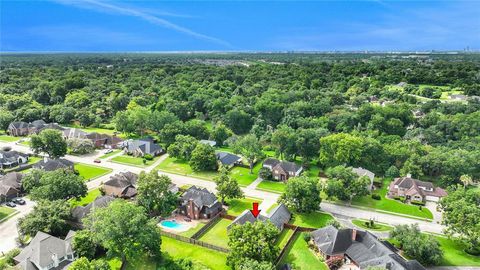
x=255, y=211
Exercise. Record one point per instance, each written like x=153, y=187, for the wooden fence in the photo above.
x=284, y=250
x=194, y=241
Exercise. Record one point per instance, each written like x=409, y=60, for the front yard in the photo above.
x=390, y=205
x=217, y=235
x=272, y=186
x=90, y=172
x=300, y=257
x=237, y=206
x=6, y=138
x=90, y=197
x=376, y=227
x=114, y=152
x=173, y=165
x=311, y=220
x=243, y=176
x=454, y=254
x=5, y=212
x=133, y=161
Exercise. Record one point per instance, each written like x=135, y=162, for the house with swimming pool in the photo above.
x=199, y=203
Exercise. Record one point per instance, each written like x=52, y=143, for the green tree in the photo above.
x=83, y=244
x=302, y=194
x=80, y=146
x=59, y=184
x=422, y=247
x=183, y=147
x=249, y=264
x=466, y=180
x=220, y=134
x=252, y=241
x=49, y=141
x=338, y=149
x=47, y=216
x=203, y=158
x=83, y=263
x=32, y=179
x=227, y=187
x=154, y=194
x=249, y=147
x=238, y=121
x=284, y=141
x=344, y=184
x=125, y=231
x=461, y=215
x=6, y=118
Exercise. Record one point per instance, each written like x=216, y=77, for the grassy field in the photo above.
x=133, y=161
x=5, y=211
x=243, y=176
x=172, y=165
x=377, y=226
x=193, y=230
x=91, y=195
x=93, y=129
x=89, y=172
x=300, y=257
x=237, y=206
x=283, y=238
x=272, y=186
x=217, y=235
x=6, y=138
x=311, y=220
x=392, y=205
x=454, y=254
x=110, y=154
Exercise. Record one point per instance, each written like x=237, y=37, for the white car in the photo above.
x=108, y=151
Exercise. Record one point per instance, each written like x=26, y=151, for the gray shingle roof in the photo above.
x=271, y=162
x=288, y=166
x=147, y=146
x=200, y=196
x=363, y=172
x=10, y=181
x=227, y=158
x=278, y=216
x=80, y=212
x=53, y=164
x=19, y=124
x=123, y=179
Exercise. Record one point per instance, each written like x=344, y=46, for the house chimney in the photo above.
x=354, y=234
x=409, y=175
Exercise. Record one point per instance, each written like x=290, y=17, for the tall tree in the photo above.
x=59, y=184
x=284, y=139
x=302, y=194
x=344, y=184
x=340, y=149
x=6, y=117
x=227, y=187
x=220, y=134
x=249, y=147
x=47, y=216
x=154, y=194
x=203, y=158
x=49, y=141
x=125, y=231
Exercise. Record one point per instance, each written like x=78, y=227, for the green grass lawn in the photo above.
x=454, y=254
x=25, y=143
x=93, y=129
x=311, y=220
x=133, y=161
x=173, y=165
x=272, y=186
x=272, y=207
x=89, y=172
x=283, y=238
x=193, y=230
x=7, y=138
x=217, y=235
x=33, y=159
x=377, y=226
x=5, y=211
x=110, y=154
x=237, y=206
x=300, y=257
x=90, y=197
x=392, y=205
x=445, y=94
x=243, y=176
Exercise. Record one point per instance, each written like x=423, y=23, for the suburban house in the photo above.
x=47, y=252
x=74, y=133
x=415, y=190
x=208, y=142
x=278, y=216
x=10, y=186
x=141, y=147
x=282, y=170
x=228, y=159
x=359, y=249
x=199, y=203
x=38, y=125
x=79, y=212
x=48, y=164
x=121, y=185
x=364, y=172
x=18, y=129
x=10, y=159
x=103, y=140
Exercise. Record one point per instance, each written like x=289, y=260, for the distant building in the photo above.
x=415, y=190
x=18, y=129
x=282, y=170
x=47, y=252
x=48, y=164
x=209, y=142
x=278, y=216
x=10, y=159
x=141, y=147
x=121, y=185
x=79, y=212
x=199, y=203
x=364, y=172
x=359, y=249
x=24, y=129
x=228, y=159
x=10, y=186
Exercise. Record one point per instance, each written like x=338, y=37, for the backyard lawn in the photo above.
x=90, y=197
x=300, y=257
x=89, y=172
x=272, y=186
x=33, y=159
x=172, y=165
x=392, y=205
x=7, y=138
x=283, y=237
x=5, y=211
x=243, y=176
x=311, y=220
x=237, y=206
x=110, y=154
x=193, y=230
x=217, y=235
x=454, y=254
x=377, y=226
x=133, y=161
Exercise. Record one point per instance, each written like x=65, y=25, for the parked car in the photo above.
x=108, y=151
x=11, y=204
x=19, y=201
x=97, y=161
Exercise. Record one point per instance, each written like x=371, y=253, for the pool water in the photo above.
x=172, y=224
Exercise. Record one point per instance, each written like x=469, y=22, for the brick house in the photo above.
x=199, y=203
x=415, y=190
x=282, y=170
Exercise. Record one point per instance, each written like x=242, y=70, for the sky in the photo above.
x=107, y=25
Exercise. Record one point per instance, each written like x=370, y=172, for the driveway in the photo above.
x=8, y=228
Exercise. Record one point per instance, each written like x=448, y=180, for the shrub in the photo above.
x=307, y=237
x=392, y=172
x=397, y=198
x=265, y=173
x=418, y=203
x=376, y=197
x=148, y=157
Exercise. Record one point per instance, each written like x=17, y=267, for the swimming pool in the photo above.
x=174, y=225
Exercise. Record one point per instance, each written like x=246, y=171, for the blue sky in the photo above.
x=106, y=25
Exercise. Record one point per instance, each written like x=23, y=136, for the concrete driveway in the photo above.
x=8, y=228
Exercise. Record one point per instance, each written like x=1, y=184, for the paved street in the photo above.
x=8, y=228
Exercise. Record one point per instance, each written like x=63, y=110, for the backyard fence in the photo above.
x=284, y=250
x=207, y=226
x=194, y=241
x=227, y=216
